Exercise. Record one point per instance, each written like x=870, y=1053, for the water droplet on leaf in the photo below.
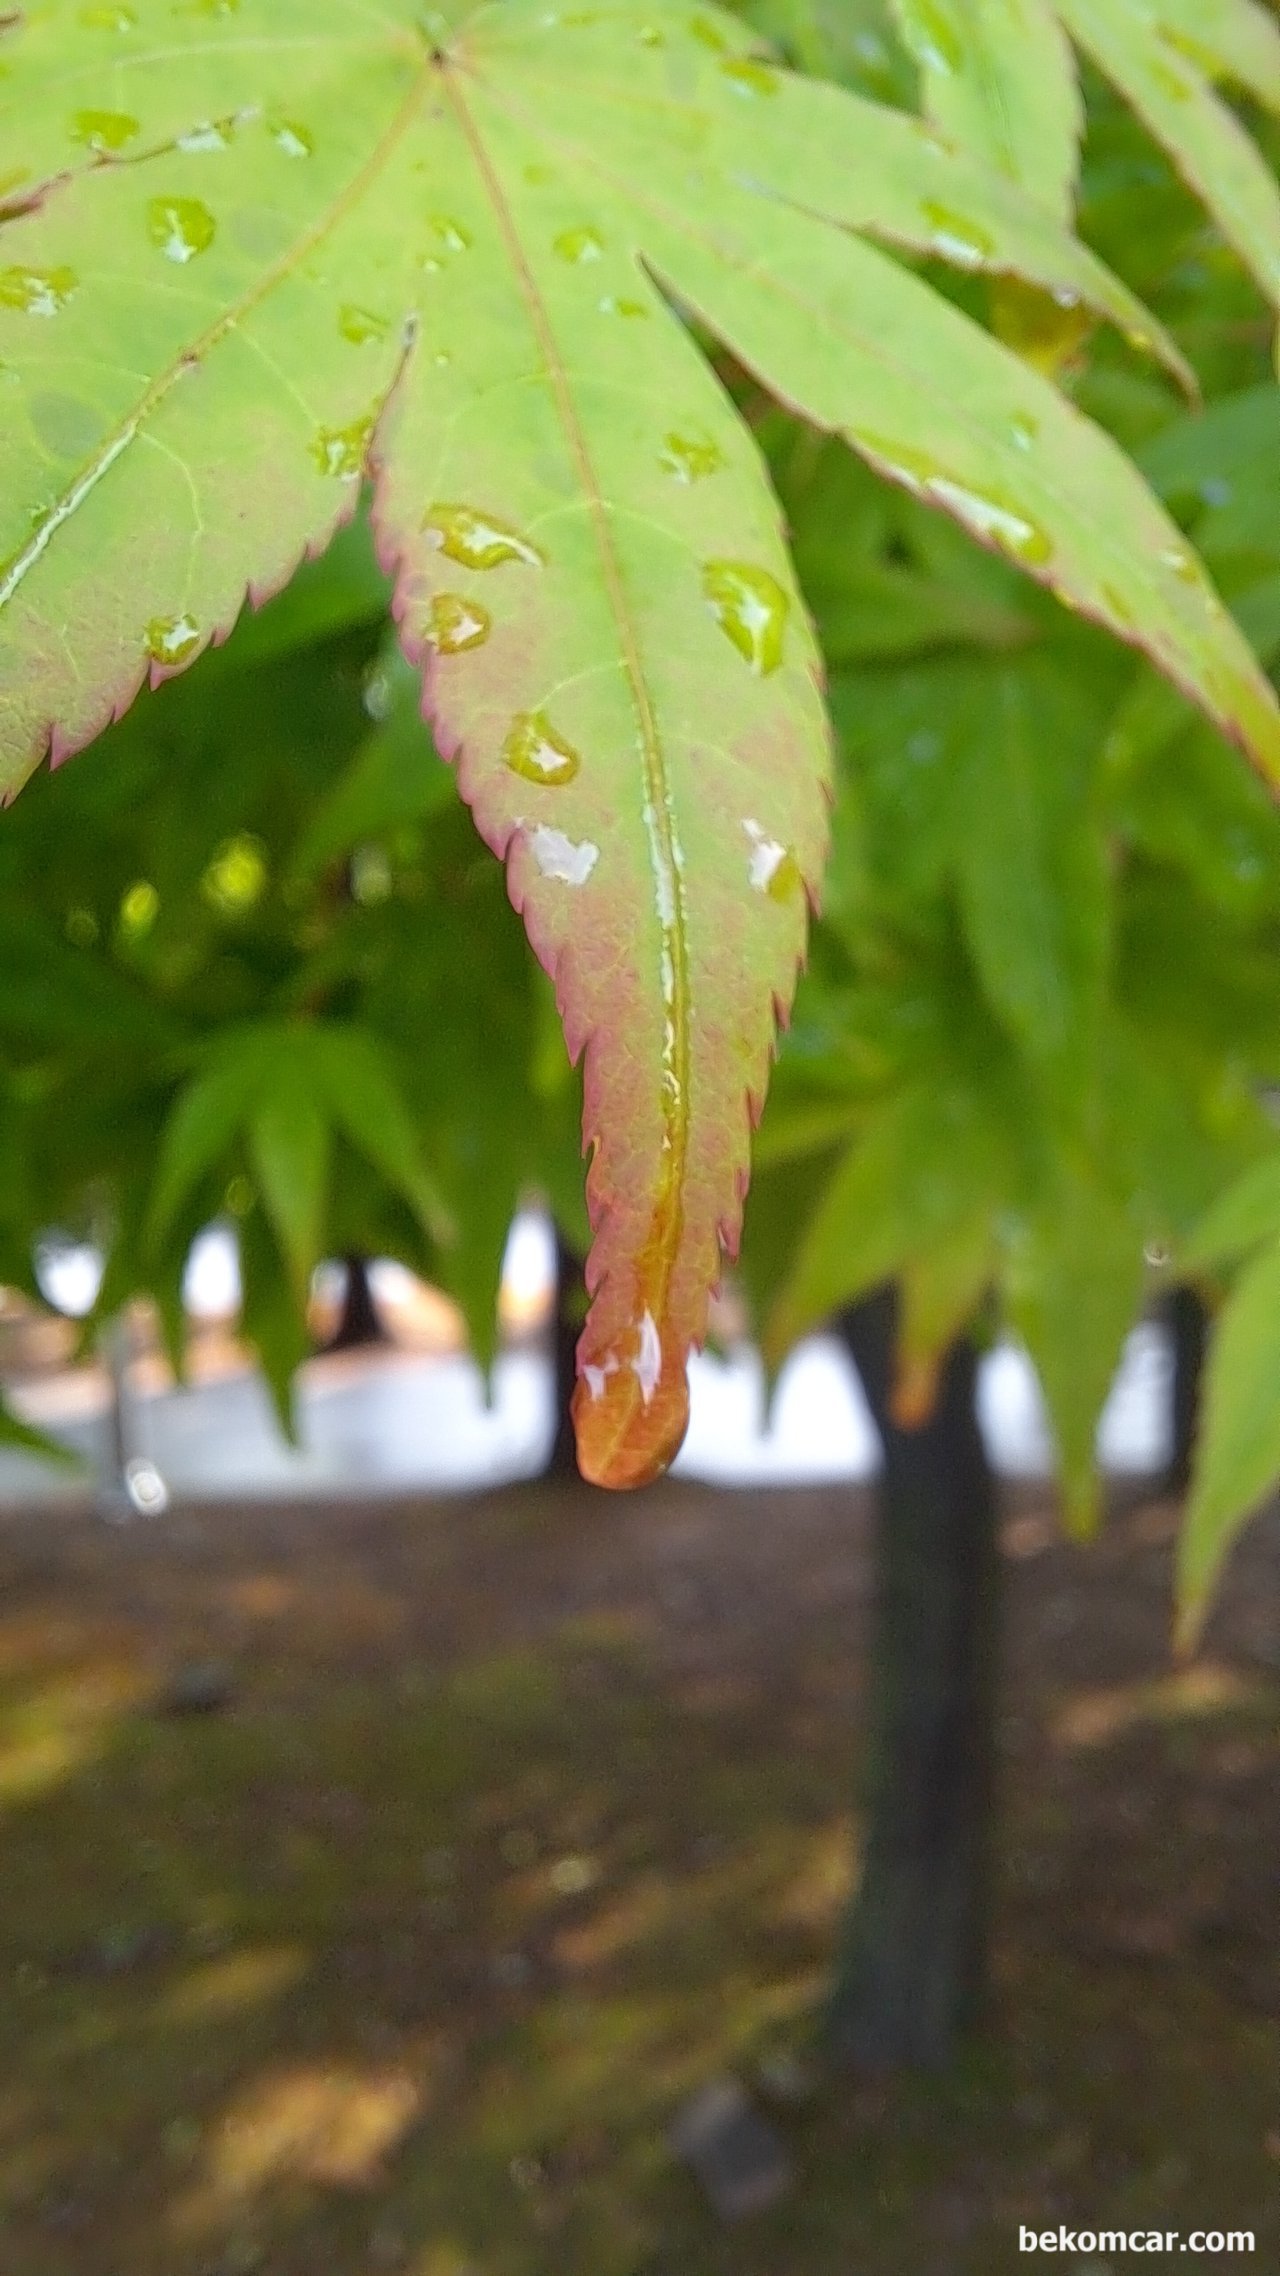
x=771, y=868
x=180, y=227
x=37, y=292
x=534, y=750
x=209, y=134
x=690, y=458
x=341, y=450
x=578, y=245
x=955, y=235
x=701, y=28
x=991, y=518
x=104, y=130
x=1023, y=431
x=747, y=77
x=612, y=306
x=931, y=36
x=171, y=639
x=295, y=141
x=478, y=541
x=647, y=1364
x=449, y=233
x=108, y=19
x=1182, y=563
x=455, y=624
x=361, y=324
x=650, y=35
x=561, y=858
x=751, y=608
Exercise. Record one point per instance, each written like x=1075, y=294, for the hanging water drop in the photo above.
x=37, y=292
x=341, y=451
x=579, y=245
x=956, y=236
x=104, y=131
x=690, y=458
x=559, y=857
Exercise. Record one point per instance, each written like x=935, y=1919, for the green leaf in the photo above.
x=1072, y=1281
x=1032, y=870
x=446, y=256
x=1238, y=1455
x=365, y=1100
x=290, y=1146
x=395, y=776
x=1242, y=1218
x=1164, y=79
x=999, y=77
x=25, y=1437
x=209, y=1113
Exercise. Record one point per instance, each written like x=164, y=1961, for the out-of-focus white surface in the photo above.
x=394, y=1419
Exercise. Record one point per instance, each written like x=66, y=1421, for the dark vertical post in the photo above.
x=358, y=1321
x=1188, y=1321
x=566, y=1327
x=912, y=1969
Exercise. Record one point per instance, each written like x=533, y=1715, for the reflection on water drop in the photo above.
x=449, y=233
x=180, y=227
x=747, y=77
x=455, y=624
x=341, y=451
x=478, y=541
x=104, y=130
x=170, y=639
x=37, y=292
x=361, y=324
x=991, y=518
x=209, y=134
x=751, y=608
x=1181, y=561
x=612, y=306
x=647, y=1364
x=771, y=868
x=931, y=36
x=690, y=458
x=295, y=141
x=1064, y=296
x=956, y=236
x=560, y=857
x=533, y=749
x=578, y=245
x=1023, y=431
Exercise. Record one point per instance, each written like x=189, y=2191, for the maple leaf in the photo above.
x=255, y=251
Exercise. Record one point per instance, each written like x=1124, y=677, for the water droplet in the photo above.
x=180, y=227
x=295, y=141
x=449, y=233
x=990, y=518
x=956, y=236
x=455, y=624
x=108, y=19
x=477, y=540
x=771, y=867
x=579, y=245
x=104, y=130
x=647, y=1364
x=650, y=35
x=361, y=324
x=171, y=639
x=1117, y=604
x=747, y=77
x=751, y=608
x=701, y=28
x=37, y=292
x=1023, y=431
x=1182, y=562
x=341, y=451
x=1065, y=296
x=68, y=428
x=690, y=458
x=139, y=908
x=932, y=38
x=559, y=857
x=209, y=134
x=207, y=8
x=534, y=750
x=442, y=356
x=611, y=305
